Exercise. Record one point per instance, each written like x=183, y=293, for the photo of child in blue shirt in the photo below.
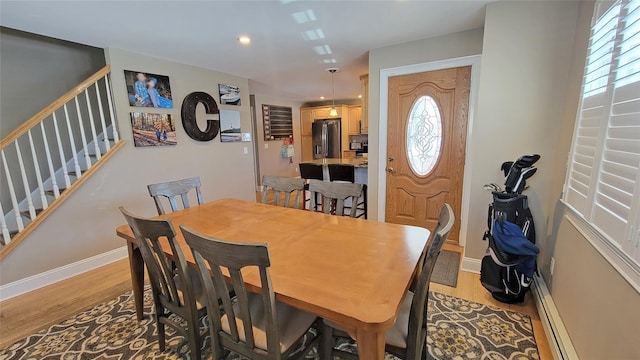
x=148, y=90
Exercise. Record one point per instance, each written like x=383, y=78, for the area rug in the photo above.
x=446, y=270
x=458, y=329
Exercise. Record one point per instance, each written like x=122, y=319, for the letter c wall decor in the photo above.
x=189, y=116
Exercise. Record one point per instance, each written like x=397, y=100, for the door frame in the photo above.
x=385, y=74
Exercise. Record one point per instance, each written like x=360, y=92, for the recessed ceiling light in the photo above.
x=321, y=97
x=244, y=40
x=359, y=96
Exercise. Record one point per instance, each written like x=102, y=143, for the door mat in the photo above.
x=446, y=270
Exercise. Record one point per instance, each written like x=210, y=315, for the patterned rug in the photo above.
x=458, y=329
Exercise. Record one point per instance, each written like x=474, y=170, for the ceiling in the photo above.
x=292, y=41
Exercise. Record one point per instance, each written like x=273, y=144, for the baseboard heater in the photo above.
x=557, y=335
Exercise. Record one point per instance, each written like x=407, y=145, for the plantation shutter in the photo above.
x=603, y=182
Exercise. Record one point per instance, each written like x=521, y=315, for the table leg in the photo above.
x=136, y=264
x=370, y=344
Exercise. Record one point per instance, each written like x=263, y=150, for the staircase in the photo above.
x=50, y=155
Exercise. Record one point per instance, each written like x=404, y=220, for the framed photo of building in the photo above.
x=151, y=129
x=148, y=90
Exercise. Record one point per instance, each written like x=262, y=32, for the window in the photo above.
x=603, y=180
x=424, y=135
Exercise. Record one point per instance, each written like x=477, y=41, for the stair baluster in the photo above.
x=63, y=160
x=36, y=165
x=93, y=126
x=105, y=136
x=25, y=183
x=72, y=142
x=85, y=147
x=6, y=236
x=54, y=181
x=116, y=137
x=12, y=193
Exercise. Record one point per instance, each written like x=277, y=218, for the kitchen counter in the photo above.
x=361, y=162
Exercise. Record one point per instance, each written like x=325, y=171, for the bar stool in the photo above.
x=310, y=172
x=347, y=173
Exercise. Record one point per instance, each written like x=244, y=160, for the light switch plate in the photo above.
x=246, y=150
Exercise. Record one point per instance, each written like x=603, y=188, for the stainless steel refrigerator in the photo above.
x=326, y=139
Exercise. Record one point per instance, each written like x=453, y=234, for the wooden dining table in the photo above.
x=351, y=272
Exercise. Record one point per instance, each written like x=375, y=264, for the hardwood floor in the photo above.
x=29, y=313
x=26, y=314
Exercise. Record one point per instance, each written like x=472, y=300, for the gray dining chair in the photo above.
x=176, y=289
x=407, y=338
x=347, y=173
x=172, y=190
x=334, y=195
x=252, y=325
x=282, y=185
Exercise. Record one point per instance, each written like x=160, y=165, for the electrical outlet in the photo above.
x=552, y=265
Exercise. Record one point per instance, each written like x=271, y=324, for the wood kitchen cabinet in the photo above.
x=355, y=117
x=365, y=104
x=306, y=119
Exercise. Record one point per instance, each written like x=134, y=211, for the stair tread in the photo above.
x=27, y=215
x=52, y=193
x=12, y=233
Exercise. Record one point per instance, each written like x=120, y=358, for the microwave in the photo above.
x=355, y=146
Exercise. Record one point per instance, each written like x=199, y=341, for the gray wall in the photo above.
x=35, y=70
x=84, y=225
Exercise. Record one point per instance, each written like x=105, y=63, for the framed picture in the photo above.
x=230, y=126
x=148, y=90
x=229, y=94
x=151, y=129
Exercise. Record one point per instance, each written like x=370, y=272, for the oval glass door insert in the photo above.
x=424, y=135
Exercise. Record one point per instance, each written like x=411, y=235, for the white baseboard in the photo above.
x=37, y=281
x=471, y=265
x=557, y=335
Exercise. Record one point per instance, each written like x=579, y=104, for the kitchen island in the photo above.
x=360, y=164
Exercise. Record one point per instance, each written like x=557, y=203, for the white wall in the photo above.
x=270, y=161
x=85, y=224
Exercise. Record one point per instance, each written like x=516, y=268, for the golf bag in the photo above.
x=510, y=260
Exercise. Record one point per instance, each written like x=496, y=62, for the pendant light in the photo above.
x=333, y=112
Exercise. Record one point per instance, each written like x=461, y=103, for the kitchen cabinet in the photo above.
x=306, y=145
x=355, y=117
x=306, y=119
x=365, y=104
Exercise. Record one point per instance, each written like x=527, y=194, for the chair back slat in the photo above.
x=150, y=233
x=335, y=193
x=174, y=189
x=219, y=255
x=417, y=317
x=279, y=185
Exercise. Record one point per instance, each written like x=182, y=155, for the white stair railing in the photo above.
x=23, y=207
